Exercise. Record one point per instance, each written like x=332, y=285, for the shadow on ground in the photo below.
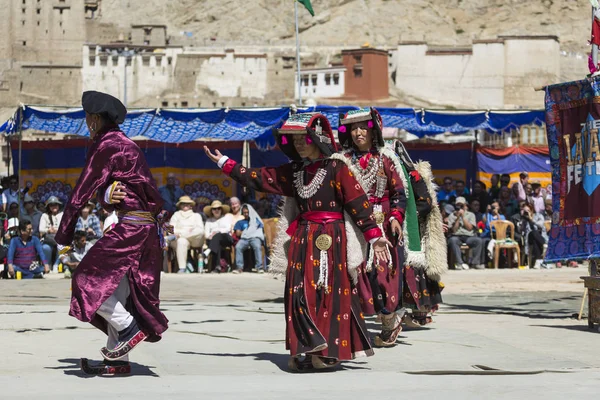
x=280, y=360
x=73, y=368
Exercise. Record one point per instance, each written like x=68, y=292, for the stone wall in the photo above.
x=490, y=74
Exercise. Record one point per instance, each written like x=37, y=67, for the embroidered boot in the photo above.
x=129, y=338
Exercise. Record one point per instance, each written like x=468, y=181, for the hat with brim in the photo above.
x=216, y=204
x=13, y=223
x=460, y=200
x=315, y=125
x=186, y=200
x=356, y=116
x=104, y=104
x=53, y=200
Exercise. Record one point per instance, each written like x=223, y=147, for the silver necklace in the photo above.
x=308, y=191
x=370, y=175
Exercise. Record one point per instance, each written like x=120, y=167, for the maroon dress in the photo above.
x=127, y=248
x=379, y=288
x=325, y=321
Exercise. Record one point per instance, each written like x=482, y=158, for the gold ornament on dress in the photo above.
x=379, y=217
x=324, y=242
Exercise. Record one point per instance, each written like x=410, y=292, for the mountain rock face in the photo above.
x=381, y=23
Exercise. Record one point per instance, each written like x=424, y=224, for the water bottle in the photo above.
x=201, y=264
x=18, y=275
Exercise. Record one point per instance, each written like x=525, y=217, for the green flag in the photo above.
x=306, y=3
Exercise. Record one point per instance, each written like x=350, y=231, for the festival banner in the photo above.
x=572, y=125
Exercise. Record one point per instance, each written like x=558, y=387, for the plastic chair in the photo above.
x=500, y=227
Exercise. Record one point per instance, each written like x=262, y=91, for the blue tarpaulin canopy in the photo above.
x=185, y=125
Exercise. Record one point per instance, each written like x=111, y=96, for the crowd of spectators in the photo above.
x=469, y=216
x=228, y=236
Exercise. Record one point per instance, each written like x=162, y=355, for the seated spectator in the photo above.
x=505, y=180
x=493, y=214
x=537, y=199
x=236, y=210
x=508, y=206
x=531, y=233
x=250, y=232
x=74, y=256
x=41, y=207
x=217, y=233
x=10, y=230
x=13, y=210
x=12, y=193
x=475, y=208
x=32, y=214
x=49, y=223
x=24, y=252
x=89, y=223
x=519, y=188
x=460, y=190
x=480, y=194
x=446, y=191
x=188, y=228
x=494, y=189
x=201, y=202
x=463, y=228
x=170, y=193
x=447, y=210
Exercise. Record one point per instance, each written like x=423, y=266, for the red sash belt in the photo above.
x=318, y=217
x=377, y=200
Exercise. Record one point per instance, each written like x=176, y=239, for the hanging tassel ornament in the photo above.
x=323, y=243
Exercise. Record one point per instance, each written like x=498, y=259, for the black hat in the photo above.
x=104, y=104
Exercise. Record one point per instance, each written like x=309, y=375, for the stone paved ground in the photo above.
x=500, y=335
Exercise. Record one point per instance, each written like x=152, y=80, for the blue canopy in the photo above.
x=185, y=125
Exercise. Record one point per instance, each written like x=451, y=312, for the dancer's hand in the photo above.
x=380, y=248
x=214, y=157
x=397, y=229
x=118, y=194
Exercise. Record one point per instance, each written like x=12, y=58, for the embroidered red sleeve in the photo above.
x=228, y=167
x=373, y=233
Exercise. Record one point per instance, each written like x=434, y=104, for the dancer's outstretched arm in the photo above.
x=277, y=180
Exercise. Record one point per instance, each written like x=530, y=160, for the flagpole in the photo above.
x=298, y=54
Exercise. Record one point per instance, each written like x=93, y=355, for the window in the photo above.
x=222, y=104
x=23, y=22
x=175, y=104
x=358, y=59
x=313, y=79
x=24, y=42
x=169, y=60
x=61, y=11
x=38, y=11
x=21, y=87
x=165, y=104
x=328, y=79
x=23, y=1
x=146, y=61
x=23, y=11
x=103, y=61
x=336, y=79
x=128, y=59
x=305, y=80
x=60, y=24
x=358, y=72
x=243, y=104
x=214, y=103
x=184, y=104
x=38, y=23
x=199, y=104
x=92, y=60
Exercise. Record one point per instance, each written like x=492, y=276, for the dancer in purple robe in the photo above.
x=116, y=285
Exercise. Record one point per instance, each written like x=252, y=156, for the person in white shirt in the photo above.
x=188, y=228
x=217, y=232
x=49, y=224
x=73, y=257
x=236, y=211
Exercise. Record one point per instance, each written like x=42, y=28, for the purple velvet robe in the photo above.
x=126, y=249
